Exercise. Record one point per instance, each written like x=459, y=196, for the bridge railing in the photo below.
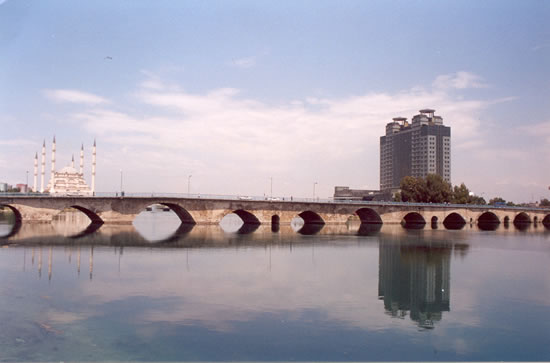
x=274, y=199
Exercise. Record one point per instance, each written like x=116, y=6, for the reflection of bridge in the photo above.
x=123, y=210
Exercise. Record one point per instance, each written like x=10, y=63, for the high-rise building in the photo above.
x=416, y=149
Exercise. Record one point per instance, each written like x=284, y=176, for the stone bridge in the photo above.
x=123, y=210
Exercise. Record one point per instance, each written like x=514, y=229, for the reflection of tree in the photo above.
x=415, y=279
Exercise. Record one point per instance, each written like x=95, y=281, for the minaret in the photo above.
x=82, y=159
x=43, y=167
x=72, y=162
x=93, y=169
x=53, y=168
x=35, y=173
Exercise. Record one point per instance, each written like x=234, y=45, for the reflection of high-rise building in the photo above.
x=415, y=279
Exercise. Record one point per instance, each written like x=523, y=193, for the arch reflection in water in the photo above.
x=10, y=222
x=248, y=228
x=306, y=227
x=159, y=223
x=310, y=229
x=74, y=223
x=415, y=279
x=368, y=229
x=92, y=228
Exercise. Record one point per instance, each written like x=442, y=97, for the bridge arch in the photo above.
x=310, y=217
x=413, y=220
x=506, y=219
x=90, y=214
x=454, y=221
x=182, y=213
x=275, y=219
x=488, y=221
x=368, y=216
x=488, y=217
x=522, y=218
x=247, y=217
x=546, y=221
x=17, y=223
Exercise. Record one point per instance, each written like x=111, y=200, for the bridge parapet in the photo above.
x=123, y=210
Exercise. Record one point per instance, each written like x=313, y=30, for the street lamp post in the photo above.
x=189, y=185
x=27, y=183
x=314, y=184
x=271, y=187
x=121, y=192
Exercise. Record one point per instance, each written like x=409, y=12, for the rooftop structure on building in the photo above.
x=416, y=148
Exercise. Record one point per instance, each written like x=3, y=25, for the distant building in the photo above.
x=4, y=187
x=23, y=188
x=345, y=193
x=415, y=149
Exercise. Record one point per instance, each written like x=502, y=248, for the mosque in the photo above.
x=67, y=181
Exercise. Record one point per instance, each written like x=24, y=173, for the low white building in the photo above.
x=68, y=181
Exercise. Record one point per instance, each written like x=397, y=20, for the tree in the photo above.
x=437, y=189
x=544, y=202
x=461, y=195
x=432, y=189
x=412, y=189
x=397, y=197
x=474, y=199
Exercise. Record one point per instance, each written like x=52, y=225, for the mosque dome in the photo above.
x=68, y=170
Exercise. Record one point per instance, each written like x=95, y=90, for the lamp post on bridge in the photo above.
x=189, y=185
x=121, y=192
x=27, y=183
x=271, y=188
x=314, y=184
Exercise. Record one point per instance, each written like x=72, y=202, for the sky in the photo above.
x=246, y=96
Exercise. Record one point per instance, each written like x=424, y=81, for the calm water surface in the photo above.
x=154, y=291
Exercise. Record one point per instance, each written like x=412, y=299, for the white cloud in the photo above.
x=459, y=80
x=235, y=142
x=537, y=130
x=540, y=46
x=246, y=62
x=74, y=96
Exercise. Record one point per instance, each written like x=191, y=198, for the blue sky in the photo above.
x=236, y=92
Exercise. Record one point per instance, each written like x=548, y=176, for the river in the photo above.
x=159, y=291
